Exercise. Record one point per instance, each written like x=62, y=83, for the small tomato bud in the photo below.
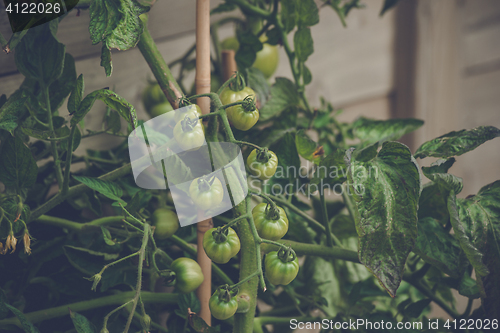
x=96, y=278
x=146, y=322
x=27, y=242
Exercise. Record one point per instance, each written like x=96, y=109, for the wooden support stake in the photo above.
x=228, y=64
x=202, y=82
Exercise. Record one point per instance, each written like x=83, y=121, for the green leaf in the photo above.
x=111, y=99
x=116, y=23
x=370, y=130
x=40, y=56
x=62, y=87
x=273, y=36
x=107, y=236
x=388, y=4
x=76, y=95
x=468, y=287
x=288, y=157
x=223, y=7
x=3, y=99
x=473, y=254
x=480, y=217
x=114, y=123
x=440, y=166
x=18, y=168
x=306, y=75
x=82, y=324
x=289, y=14
x=247, y=52
x=415, y=310
x=303, y=42
x=27, y=325
x=106, y=60
x=45, y=134
x=258, y=82
x=106, y=188
x=283, y=95
x=457, y=143
x=307, y=12
x=305, y=146
x=11, y=110
x=189, y=301
x=387, y=232
x=438, y=247
x=332, y=170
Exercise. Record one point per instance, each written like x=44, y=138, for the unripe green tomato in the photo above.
x=209, y=198
x=191, y=139
x=267, y=227
x=262, y=170
x=239, y=118
x=266, y=60
x=152, y=95
x=221, y=252
x=166, y=223
x=221, y=309
x=278, y=271
x=160, y=109
x=193, y=111
x=188, y=274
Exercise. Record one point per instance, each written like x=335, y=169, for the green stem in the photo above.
x=60, y=311
x=78, y=189
x=324, y=212
x=333, y=252
x=158, y=65
x=246, y=279
x=257, y=241
x=53, y=144
x=233, y=222
x=247, y=144
x=69, y=155
x=247, y=7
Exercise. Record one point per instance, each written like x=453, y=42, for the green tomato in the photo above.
x=189, y=133
x=266, y=60
x=222, y=305
x=152, y=95
x=262, y=164
x=241, y=119
x=188, y=274
x=204, y=194
x=279, y=271
x=270, y=225
x=193, y=111
x=166, y=223
x=219, y=247
x=160, y=109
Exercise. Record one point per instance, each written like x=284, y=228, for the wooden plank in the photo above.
x=353, y=63
x=169, y=18
x=481, y=47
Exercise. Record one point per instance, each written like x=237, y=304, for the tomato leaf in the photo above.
x=415, y=310
x=283, y=94
x=106, y=188
x=76, y=95
x=247, y=52
x=27, y=325
x=457, y=143
x=82, y=324
x=305, y=145
x=106, y=59
x=11, y=110
x=370, y=130
x=332, y=170
x=438, y=247
x=480, y=216
x=257, y=81
x=308, y=14
x=107, y=236
x=188, y=301
x=289, y=14
x=18, y=168
x=62, y=87
x=303, y=42
x=380, y=188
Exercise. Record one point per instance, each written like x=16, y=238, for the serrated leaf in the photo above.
x=11, y=110
x=283, y=95
x=387, y=232
x=18, y=168
x=27, y=325
x=304, y=44
x=106, y=188
x=308, y=14
x=457, y=143
x=106, y=60
x=438, y=247
x=82, y=324
x=370, y=130
x=76, y=96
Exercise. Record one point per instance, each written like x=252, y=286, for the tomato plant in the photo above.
x=346, y=200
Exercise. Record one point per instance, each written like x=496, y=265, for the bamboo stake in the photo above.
x=228, y=64
x=202, y=82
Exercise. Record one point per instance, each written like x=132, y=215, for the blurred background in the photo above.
x=438, y=61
